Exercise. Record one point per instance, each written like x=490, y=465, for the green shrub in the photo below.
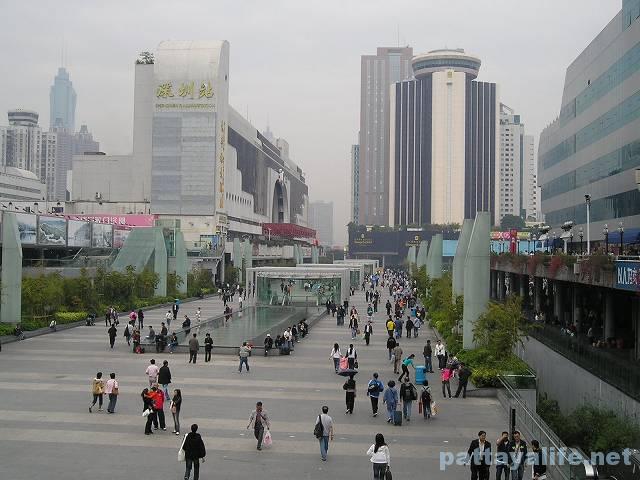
x=70, y=317
x=6, y=329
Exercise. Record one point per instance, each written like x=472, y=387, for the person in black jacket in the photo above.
x=517, y=456
x=502, y=456
x=164, y=378
x=463, y=378
x=479, y=457
x=208, y=347
x=539, y=468
x=194, y=450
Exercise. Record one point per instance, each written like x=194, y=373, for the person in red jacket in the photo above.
x=158, y=407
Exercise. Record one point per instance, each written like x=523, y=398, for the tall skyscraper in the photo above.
x=518, y=169
x=443, y=134
x=378, y=73
x=321, y=219
x=62, y=102
x=594, y=146
x=355, y=182
x=83, y=142
x=26, y=146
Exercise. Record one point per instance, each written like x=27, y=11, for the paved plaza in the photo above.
x=46, y=430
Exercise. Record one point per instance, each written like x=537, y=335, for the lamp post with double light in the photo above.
x=587, y=199
x=621, y=232
x=605, y=232
x=581, y=234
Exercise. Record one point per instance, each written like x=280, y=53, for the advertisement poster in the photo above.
x=102, y=235
x=27, y=226
x=119, y=237
x=52, y=231
x=79, y=234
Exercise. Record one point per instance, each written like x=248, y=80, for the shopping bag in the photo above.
x=344, y=363
x=181, y=452
x=420, y=406
x=387, y=474
x=146, y=413
x=434, y=409
x=267, y=441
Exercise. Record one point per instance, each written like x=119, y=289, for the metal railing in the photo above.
x=616, y=367
x=533, y=427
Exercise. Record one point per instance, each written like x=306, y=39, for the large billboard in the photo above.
x=79, y=234
x=52, y=231
x=129, y=220
x=102, y=235
x=119, y=237
x=27, y=226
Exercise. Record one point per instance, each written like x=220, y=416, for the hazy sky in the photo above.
x=293, y=62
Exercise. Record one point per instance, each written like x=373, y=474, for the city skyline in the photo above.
x=325, y=85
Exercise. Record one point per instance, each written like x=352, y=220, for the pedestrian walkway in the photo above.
x=45, y=425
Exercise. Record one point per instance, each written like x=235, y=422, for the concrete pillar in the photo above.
x=421, y=257
x=492, y=284
x=476, y=276
x=558, y=302
x=522, y=283
x=434, y=258
x=609, y=325
x=182, y=266
x=411, y=256
x=457, y=272
x=160, y=262
x=576, y=309
x=537, y=293
x=11, y=282
x=500, y=285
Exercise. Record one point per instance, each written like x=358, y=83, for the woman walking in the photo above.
x=147, y=406
x=97, y=389
x=335, y=355
x=445, y=376
x=390, y=398
x=379, y=457
x=352, y=356
x=350, y=394
x=176, y=404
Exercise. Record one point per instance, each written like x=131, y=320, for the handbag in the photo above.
x=387, y=474
x=267, y=441
x=147, y=412
x=115, y=391
x=174, y=409
x=355, y=364
x=182, y=455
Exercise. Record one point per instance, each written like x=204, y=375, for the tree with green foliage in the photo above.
x=511, y=221
x=501, y=327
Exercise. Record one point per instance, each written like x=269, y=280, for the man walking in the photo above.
x=408, y=394
x=479, y=457
x=174, y=310
x=194, y=345
x=397, y=357
x=502, y=456
x=440, y=354
x=245, y=351
x=374, y=389
x=324, y=428
x=428, y=352
x=194, y=450
x=517, y=456
x=164, y=378
x=112, y=334
x=463, y=378
x=152, y=372
x=391, y=344
x=259, y=420
x=388, y=307
x=368, y=330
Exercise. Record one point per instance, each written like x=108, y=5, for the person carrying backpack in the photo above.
x=425, y=400
x=374, y=388
x=408, y=394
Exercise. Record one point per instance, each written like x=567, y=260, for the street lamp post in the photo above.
x=571, y=243
x=605, y=231
x=621, y=232
x=581, y=234
x=587, y=199
x=553, y=245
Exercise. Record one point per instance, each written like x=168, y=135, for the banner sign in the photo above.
x=628, y=275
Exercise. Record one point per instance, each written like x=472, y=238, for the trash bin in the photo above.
x=421, y=372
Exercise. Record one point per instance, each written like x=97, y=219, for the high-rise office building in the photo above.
x=378, y=73
x=83, y=142
x=321, y=219
x=62, y=101
x=355, y=182
x=518, y=178
x=443, y=134
x=24, y=145
x=593, y=147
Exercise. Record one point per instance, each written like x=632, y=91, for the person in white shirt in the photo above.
x=168, y=317
x=380, y=457
x=336, y=355
x=439, y=351
x=152, y=372
x=111, y=389
x=198, y=315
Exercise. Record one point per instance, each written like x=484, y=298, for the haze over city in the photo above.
x=295, y=66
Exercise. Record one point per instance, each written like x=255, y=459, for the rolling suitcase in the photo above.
x=397, y=418
x=285, y=351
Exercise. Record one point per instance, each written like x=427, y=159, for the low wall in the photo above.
x=573, y=386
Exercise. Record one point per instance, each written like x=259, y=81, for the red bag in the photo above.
x=344, y=363
x=420, y=406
